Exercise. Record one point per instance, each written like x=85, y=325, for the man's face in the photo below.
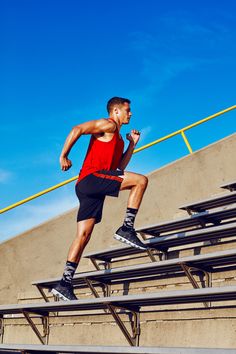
x=124, y=113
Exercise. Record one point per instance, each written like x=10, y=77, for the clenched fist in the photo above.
x=65, y=163
x=133, y=136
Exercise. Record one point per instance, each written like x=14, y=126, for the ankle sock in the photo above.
x=68, y=273
x=129, y=218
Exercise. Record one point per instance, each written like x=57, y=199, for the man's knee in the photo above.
x=84, y=235
x=143, y=180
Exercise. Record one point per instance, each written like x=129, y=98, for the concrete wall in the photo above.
x=41, y=253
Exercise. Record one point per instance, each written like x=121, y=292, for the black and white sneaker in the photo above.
x=129, y=236
x=64, y=292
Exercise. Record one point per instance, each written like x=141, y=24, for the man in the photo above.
x=103, y=173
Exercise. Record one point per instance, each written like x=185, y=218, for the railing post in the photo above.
x=186, y=142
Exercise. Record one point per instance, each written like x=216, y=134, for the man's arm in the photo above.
x=92, y=127
x=133, y=138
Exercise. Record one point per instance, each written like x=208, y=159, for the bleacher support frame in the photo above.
x=188, y=272
x=187, y=268
x=45, y=322
x=133, y=338
x=1, y=328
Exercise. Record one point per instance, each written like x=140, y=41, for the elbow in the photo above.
x=77, y=130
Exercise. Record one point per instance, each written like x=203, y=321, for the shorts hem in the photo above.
x=97, y=220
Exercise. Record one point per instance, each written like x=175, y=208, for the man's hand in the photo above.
x=65, y=163
x=133, y=137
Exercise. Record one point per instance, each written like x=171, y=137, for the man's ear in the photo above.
x=116, y=111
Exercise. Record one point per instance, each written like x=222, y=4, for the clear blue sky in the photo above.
x=61, y=60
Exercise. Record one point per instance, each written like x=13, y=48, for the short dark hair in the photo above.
x=116, y=101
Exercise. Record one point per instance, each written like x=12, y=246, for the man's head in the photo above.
x=119, y=107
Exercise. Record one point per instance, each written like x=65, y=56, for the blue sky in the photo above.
x=61, y=60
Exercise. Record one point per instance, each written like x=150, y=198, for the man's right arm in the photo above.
x=92, y=127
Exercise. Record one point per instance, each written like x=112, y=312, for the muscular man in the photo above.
x=103, y=173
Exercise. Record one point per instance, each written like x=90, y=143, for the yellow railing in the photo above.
x=181, y=131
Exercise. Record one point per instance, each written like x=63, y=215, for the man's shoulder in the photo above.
x=108, y=124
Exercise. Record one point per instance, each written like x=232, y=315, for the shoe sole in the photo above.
x=59, y=295
x=122, y=239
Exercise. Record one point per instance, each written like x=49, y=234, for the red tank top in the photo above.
x=102, y=155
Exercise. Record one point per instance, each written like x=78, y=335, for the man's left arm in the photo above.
x=133, y=138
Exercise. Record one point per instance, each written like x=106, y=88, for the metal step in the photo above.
x=168, y=241
x=230, y=185
x=33, y=348
x=227, y=293
x=206, y=204
x=212, y=262
x=198, y=220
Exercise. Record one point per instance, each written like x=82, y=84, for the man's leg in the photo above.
x=137, y=185
x=84, y=232
x=64, y=289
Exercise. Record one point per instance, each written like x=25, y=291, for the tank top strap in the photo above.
x=114, y=122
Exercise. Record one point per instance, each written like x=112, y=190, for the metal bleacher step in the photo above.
x=163, y=243
x=211, y=262
x=33, y=348
x=223, y=293
x=210, y=203
x=131, y=303
x=230, y=185
x=196, y=220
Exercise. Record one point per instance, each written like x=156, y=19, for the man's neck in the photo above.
x=116, y=119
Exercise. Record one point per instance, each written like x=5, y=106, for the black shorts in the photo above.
x=92, y=190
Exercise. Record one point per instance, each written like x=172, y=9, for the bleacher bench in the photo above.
x=210, y=262
x=30, y=348
x=163, y=243
x=128, y=301
x=131, y=303
x=196, y=220
x=210, y=203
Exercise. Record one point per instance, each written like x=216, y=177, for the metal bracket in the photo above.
x=91, y=287
x=45, y=322
x=189, y=211
x=94, y=261
x=1, y=329
x=133, y=339
x=164, y=252
x=151, y=255
x=93, y=290
x=188, y=271
x=106, y=287
x=135, y=324
x=107, y=265
x=202, y=222
x=40, y=289
x=149, y=251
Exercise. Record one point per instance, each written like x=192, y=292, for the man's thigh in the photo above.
x=130, y=179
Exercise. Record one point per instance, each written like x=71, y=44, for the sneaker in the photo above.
x=64, y=292
x=129, y=236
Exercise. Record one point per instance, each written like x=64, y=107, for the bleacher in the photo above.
x=210, y=221
x=37, y=349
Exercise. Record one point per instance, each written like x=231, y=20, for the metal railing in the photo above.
x=180, y=131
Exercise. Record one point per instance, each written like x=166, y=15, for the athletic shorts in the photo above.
x=92, y=190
